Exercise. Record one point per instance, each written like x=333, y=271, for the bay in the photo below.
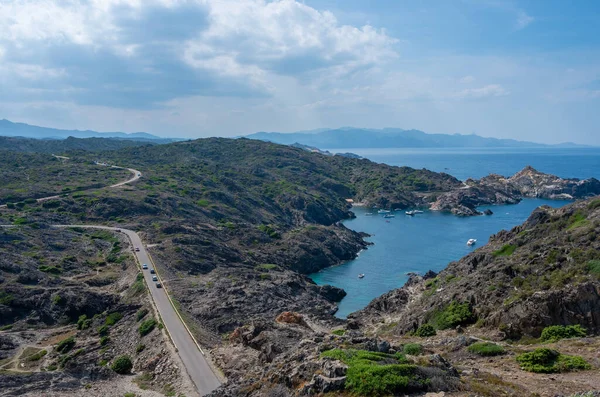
x=431, y=240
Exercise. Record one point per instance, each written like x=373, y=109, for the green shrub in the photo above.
x=37, y=356
x=50, y=269
x=486, y=349
x=129, y=395
x=425, y=330
x=577, y=220
x=338, y=332
x=122, y=365
x=112, y=318
x=58, y=300
x=266, y=266
x=141, y=314
x=414, y=349
x=104, y=340
x=203, y=203
x=550, y=361
x=506, y=250
x=66, y=345
x=140, y=347
x=557, y=332
x=83, y=322
x=594, y=204
x=265, y=276
x=376, y=374
x=453, y=315
x=103, y=330
x=147, y=326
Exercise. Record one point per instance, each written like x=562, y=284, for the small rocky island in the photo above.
x=496, y=189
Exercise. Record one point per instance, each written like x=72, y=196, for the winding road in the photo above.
x=192, y=356
x=188, y=349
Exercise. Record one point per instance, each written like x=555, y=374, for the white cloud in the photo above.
x=523, y=19
x=488, y=91
x=467, y=79
x=185, y=47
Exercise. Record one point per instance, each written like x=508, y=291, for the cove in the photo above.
x=419, y=243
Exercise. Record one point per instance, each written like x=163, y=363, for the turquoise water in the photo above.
x=431, y=240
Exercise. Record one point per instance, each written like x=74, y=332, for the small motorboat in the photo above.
x=383, y=212
x=369, y=214
x=389, y=216
x=418, y=211
x=471, y=242
x=411, y=213
x=362, y=275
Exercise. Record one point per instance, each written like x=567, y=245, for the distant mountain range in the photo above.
x=8, y=128
x=352, y=138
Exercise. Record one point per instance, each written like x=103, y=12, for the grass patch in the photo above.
x=506, y=250
x=557, y=332
x=83, y=322
x=576, y=220
x=146, y=327
x=338, y=332
x=486, y=349
x=37, y=356
x=140, y=348
x=414, y=349
x=451, y=316
x=104, y=340
x=549, y=361
x=65, y=345
x=266, y=267
x=593, y=268
x=377, y=374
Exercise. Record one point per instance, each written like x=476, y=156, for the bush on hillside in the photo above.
x=557, y=332
x=550, y=361
x=122, y=365
x=486, y=349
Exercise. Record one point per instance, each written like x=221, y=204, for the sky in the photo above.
x=527, y=70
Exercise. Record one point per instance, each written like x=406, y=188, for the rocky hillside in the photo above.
x=542, y=273
x=71, y=304
x=496, y=189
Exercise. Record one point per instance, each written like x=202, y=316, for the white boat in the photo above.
x=383, y=212
x=411, y=213
x=369, y=214
x=418, y=211
x=471, y=242
x=389, y=216
x=362, y=275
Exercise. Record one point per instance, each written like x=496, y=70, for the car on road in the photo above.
x=137, y=249
x=118, y=230
x=144, y=266
x=158, y=285
x=154, y=278
x=152, y=271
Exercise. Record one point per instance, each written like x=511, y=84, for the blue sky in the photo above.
x=191, y=68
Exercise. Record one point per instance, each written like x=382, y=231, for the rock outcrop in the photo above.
x=496, y=189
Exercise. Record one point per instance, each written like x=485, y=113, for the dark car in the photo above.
x=158, y=285
x=152, y=271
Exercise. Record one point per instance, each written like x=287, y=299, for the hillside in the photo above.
x=349, y=138
x=61, y=146
x=8, y=128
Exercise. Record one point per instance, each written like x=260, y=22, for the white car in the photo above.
x=154, y=278
x=144, y=266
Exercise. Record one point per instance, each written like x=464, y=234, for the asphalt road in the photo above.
x=193, y=359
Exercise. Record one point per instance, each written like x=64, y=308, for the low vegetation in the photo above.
x=37, y=356
x=413, y=349
x=557, y=332
x=377, y=374
x=486, y=349
x=122, y=365
x=425, y=331
x=452, y=315
x=146, y=327
x=65, y=345
x=548, y=361
x=141, y=314
x=506, y=250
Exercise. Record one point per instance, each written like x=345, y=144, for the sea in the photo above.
x=430, y=241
